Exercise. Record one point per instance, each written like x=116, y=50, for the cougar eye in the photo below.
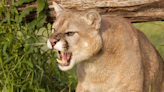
x=70, y=33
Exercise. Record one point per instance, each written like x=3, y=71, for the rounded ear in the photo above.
x=93, y=19
x=57, y=8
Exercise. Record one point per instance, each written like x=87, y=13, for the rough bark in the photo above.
x=134, y=10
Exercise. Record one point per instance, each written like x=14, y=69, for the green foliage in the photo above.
x=40, y=6
x=20, y=2
x=26, y=65
x=24, y=12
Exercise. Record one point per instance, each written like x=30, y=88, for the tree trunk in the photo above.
x=134, y=10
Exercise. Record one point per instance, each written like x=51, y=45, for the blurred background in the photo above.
x=27, y=65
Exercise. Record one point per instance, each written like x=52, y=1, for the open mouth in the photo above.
x=64, y=58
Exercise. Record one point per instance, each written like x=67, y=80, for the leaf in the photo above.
x=1, y=72
x=20, y=2
x=28, y=63
x=13, y=20
x=32, y=36
x=13, y=2
x=39, y=67
x=11, y=38
x=150, y=88
x=32, y=77
x=23, y=87
x=5, y=20
x=41, y=20
x=0, y=15
x=32, y=24
x=151, y=84
x=41, y=73
x=4, y=49
x=16, y=13
x=6, y=81
x=12, y=85
x=8, y=59
x=41, y=89
x=63, y=89
x=8, y=17
x=25, y=81
x=40, y=6
x=19, y=61
x=18, y=86
x=21, y=71
x=36, y=90
x=25, y=12
x=1, y=61
x=2, y=32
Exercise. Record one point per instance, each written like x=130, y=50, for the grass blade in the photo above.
x=8, y=59
x=25, y=12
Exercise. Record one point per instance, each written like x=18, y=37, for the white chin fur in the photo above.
x=65, y=68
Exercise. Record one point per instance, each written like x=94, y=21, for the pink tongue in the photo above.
x=68, y=56
x=64, y=57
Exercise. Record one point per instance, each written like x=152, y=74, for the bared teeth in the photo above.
x=59, y=61
x=62, y=53
x=65, y=62
x=64, y=58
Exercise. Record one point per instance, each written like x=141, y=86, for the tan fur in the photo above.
x=126, y=63
x=115, y=57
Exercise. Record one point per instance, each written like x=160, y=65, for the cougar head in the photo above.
x=75, y=36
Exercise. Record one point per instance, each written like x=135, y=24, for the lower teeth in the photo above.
x=59, y=61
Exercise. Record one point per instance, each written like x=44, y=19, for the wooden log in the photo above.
x=134, y=10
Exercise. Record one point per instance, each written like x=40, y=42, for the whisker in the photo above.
x=44, y=37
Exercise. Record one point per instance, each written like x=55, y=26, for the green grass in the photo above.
x=26, y=64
